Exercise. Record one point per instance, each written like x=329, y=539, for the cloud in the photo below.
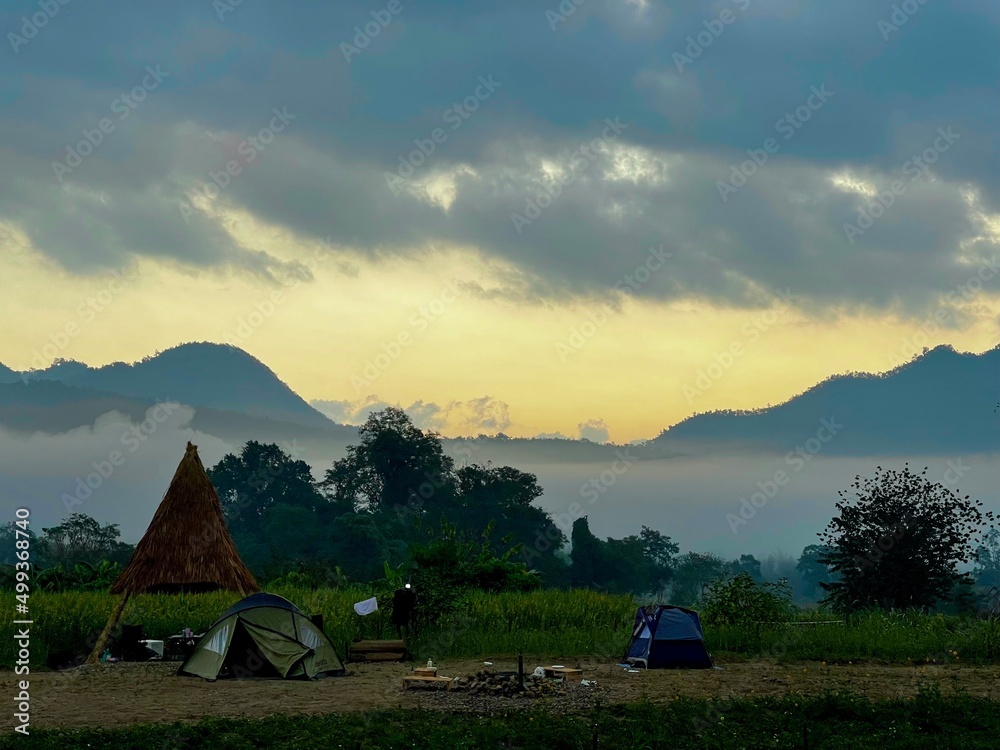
x=325, y=174
x=114, y=470
x=594, y=430
x=479, y=415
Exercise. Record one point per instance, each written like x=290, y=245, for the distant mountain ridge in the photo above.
x=216, y=376
x=942, y=402
x=8, y=375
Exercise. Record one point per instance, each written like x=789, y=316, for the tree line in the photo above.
x=396, y=504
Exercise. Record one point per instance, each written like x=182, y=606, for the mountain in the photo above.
x=7, y=375
x=216, y=376
x=940, y=403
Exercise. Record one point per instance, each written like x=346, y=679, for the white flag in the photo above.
x=366, y=607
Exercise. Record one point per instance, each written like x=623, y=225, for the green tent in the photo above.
x=263, y=636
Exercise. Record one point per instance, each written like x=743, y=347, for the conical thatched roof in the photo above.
x=187, y=546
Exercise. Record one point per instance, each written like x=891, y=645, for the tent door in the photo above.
x=245, y=659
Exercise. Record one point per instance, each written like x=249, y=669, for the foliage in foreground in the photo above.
x=831, y=721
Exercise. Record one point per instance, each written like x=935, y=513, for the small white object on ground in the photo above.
x=487, y=664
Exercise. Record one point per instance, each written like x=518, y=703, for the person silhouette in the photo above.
x=404, y=604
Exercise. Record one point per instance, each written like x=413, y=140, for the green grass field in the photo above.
x=576, y=623
x=833, y=721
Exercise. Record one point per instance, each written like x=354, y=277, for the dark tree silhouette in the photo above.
x=899, y=541
x=260, y=477
x=396, y=465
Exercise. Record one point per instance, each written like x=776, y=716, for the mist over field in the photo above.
x=697, y=500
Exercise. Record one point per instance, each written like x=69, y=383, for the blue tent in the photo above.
x=665, y=637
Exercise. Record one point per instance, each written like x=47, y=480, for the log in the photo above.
x=102, y=639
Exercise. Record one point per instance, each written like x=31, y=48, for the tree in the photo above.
x=451, y=563
x=899, y=542
x=504, y=496
x=292, y=533
x=636, y=564
x=693, y=572
x=260, y=477
x=660, y=552
x=813, y=570
x=623, y=567
x=743, y=601
x=396, y=465
x=987, y=570
x=8, y=537
x=82, y=539
x=356, y=542
x=586, y=554
x=747, y=564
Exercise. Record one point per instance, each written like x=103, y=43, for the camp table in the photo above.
x=180, y=646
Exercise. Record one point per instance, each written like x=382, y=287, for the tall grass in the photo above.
x=563, y=624
x=873, y=635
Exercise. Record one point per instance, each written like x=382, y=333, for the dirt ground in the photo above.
x=121, y=694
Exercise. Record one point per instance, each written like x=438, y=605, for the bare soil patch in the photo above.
x=122, y=694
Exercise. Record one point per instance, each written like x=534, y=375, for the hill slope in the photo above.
x=7, y=375
x=940, y=403
x=203, y=374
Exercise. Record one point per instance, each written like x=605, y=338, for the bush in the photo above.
x=743, y=601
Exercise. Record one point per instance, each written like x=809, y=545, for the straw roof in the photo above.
x=187, y=546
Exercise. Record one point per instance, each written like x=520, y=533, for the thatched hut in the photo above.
x=187, y=546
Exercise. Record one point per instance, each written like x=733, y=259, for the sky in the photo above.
x=588, y=219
